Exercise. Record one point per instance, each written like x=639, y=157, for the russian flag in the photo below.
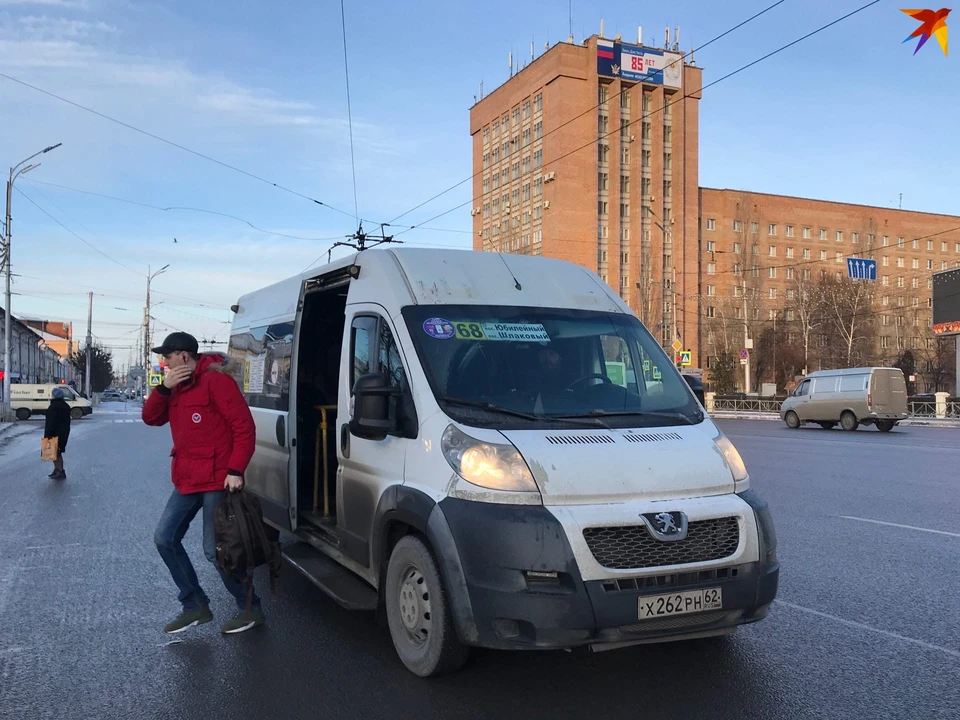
x=605, y=49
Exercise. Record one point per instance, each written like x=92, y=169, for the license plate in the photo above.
x=680, y=603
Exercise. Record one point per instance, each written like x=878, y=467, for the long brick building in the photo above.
x=590, y=154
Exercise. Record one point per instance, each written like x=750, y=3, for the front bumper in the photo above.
x=508, y=555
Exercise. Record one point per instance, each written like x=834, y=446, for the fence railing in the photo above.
x=915, y=408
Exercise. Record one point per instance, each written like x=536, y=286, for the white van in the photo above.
x=851, y=397
x=491, y=450
x=27, y=400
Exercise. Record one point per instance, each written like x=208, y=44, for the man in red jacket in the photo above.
x=213, y=441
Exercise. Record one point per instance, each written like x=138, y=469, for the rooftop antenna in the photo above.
x=901, y=201
x=639, y=34
x=676, y=38
x=570, y=13
x=360, y=240
x=666, y=42
x=601, y=27
x=532, y=51
x=510, y=61
x=693, y=62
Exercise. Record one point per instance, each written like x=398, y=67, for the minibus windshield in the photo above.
x=497, y=366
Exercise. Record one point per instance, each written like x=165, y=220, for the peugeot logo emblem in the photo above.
x=666, y=526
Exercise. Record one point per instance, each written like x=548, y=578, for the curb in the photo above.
x=910, y=422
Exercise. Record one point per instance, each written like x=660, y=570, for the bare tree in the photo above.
x=805, y=309
x=847, y=313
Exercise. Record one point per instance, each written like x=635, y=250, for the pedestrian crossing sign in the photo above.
x=686, y=358
x=155, y=379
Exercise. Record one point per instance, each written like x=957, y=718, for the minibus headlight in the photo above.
x=489, y=465
x=741, y=478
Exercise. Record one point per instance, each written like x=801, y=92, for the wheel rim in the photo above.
x=792, y=420
x=413, y=602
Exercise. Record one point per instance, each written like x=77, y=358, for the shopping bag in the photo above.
x=48, y=449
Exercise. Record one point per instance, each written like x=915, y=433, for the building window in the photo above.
x=806, y=253
x=538, y=103
x=526, y=165
x=604, y=94
x=516, y=171
x=855, y=238
x=602, y=207
x=789, y=252
x=771, y=229
x=537, y=158
x=823, y=254
x=711, y=246
x=791, y=294
x=943, y=247
x=486, y=208
x=900, y=281
x=646, y=130
x=772, y=293
x=667, y=129
x=712, y=225
x=526, y=137
x=711, y=312
x=737, y=226
x=839, y=235
x=625, y=235
x=667, y=162
x=736, y=248
x=602, y=124
x=486, y=183
x=624, y=210
x=645, y=185
x=885, y=281
x=538, y=212
x=869, y=239
x=711, y=290
x=900, y=262
x=929, y=264
x=538, y=187
x=736, y=270
x=602, y=233
x=916, y=244
x=602, y=152
x=754, y=228
x=625, y=184
x=839, y=257
x=526, y=192
x=823, y=234
x=915, y=283
x=496, y=130
x=900, y=242
x=711, y=268
x=625, y=155
x=929, y=244
x=885, y=241
x=602, y=180
x=538, y=130
x=667, y=188
x=526, y=110
x=916, y=264
x=486, y=160
x=772, y=251
x=789, y=273
x=789, y=230
x=506, y=149
x=806, y=233
x=772, y=272
x=516, y=117
x=647, y=101
x=645, y=158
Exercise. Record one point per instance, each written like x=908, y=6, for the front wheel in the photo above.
x=76, y=413
x=23, y=413
x=418, y=613
x=849, y=421
x=792, y=420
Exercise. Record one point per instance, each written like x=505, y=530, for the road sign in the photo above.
x=744, y=354
x=861, y=268
x=686, y=358
x=656, y=373
x=155, y=379
x=677, y=345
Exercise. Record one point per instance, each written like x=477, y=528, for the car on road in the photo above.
x=851, y=397
x=493, y=451
x=28, y=400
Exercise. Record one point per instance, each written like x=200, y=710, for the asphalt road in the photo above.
x=866, y=624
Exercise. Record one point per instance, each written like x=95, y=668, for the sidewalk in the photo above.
x=910, y=422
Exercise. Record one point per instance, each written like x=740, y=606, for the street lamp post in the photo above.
x=146, y=331
x=15, y=172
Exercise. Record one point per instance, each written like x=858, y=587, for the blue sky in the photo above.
x=850, y=115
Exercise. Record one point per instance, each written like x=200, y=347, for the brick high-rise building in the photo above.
x=589, y=154
x=761, y=252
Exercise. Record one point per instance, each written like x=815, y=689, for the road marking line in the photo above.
x=868, y=628
x=898, y=525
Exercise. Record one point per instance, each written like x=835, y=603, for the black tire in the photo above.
x=885, y=425
x=23, y=413
x=792, y=420
x=418, y=614
x=828, y=425
x=76, y=413
x=849, y=422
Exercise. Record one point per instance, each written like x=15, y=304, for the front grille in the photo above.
x=625, y=547
x=673, y=623
x=633, y=584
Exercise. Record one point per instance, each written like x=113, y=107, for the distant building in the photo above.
x=33, y=360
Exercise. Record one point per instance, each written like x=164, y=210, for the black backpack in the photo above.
x=242, y=542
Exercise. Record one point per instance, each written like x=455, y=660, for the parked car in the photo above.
x=28, y=400
x=851, y=397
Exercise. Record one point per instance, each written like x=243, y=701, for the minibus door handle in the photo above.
x=345, y=440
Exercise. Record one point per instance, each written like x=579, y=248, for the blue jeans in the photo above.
x=176, y=518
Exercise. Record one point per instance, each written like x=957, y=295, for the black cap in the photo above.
x=178, y=342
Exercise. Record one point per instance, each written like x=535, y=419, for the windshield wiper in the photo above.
x=624, y=413
x=491, y=407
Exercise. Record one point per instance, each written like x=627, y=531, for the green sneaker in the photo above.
x=189, y=618
x=243, y=621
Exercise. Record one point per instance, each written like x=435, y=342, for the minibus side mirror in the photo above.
x=697, y=386
x=374, y=402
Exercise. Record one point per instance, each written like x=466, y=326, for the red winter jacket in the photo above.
x=212, y=427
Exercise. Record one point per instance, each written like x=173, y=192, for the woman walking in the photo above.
x=57, y=425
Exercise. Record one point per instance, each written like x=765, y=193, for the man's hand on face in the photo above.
x=175, y=376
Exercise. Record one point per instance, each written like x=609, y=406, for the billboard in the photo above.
x=639, y=64
x=946, y=302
